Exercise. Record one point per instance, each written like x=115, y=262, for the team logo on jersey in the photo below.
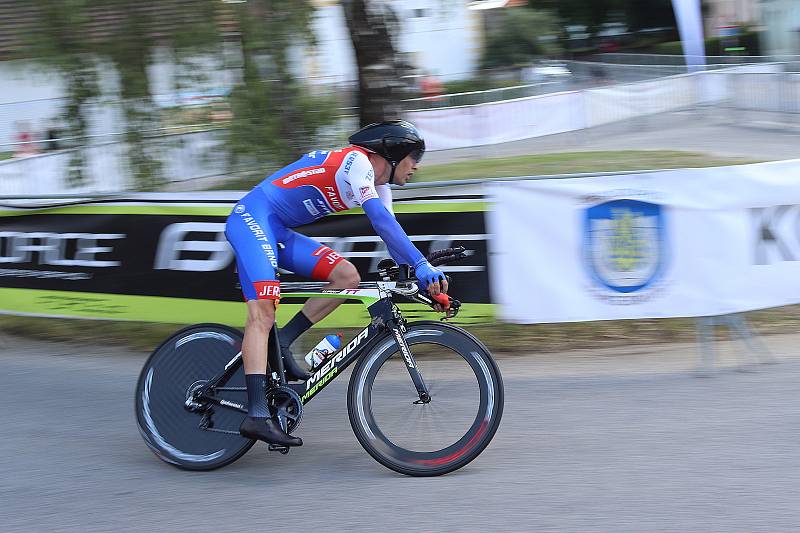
x=350, y=158
x=366, y=193
x=267, y=290
x=310, y=207
x=624, y=244
x=302, y=174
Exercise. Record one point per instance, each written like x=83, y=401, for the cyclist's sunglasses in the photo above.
x=394, y=144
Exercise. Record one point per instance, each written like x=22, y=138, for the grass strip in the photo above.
x=499, y=337
x=570, y=163
x=543, y=165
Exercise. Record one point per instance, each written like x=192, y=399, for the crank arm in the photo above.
x=225, y=403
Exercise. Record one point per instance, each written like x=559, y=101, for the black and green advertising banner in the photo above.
x=164, y=258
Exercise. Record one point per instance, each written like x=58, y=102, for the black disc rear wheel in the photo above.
x=197, y=436
x=426, y=438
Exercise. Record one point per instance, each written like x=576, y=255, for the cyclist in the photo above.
x=259, y=230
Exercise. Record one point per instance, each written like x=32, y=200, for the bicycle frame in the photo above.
x=385, y=316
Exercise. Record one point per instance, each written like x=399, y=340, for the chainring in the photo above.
x=284, y=402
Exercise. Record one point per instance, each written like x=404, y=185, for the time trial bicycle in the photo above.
x=191, y=394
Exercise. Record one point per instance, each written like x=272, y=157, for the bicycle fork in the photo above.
x=411, y=364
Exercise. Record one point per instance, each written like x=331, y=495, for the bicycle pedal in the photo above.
x=276, y=448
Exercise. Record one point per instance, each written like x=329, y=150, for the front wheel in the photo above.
x=426, y=438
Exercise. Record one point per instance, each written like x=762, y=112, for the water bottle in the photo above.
x=326, y=347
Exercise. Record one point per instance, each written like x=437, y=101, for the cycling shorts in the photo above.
x=263, y=243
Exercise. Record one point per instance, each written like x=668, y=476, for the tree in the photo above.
x=371, y=24
x=70, y=55
x=273, y=117
x=637, y=14
x=79, y=37
x=517, y=38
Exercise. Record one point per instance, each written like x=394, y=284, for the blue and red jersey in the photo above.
x=316, y=185
x=323, y=182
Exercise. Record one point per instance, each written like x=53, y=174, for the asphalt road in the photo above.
x=612, y=440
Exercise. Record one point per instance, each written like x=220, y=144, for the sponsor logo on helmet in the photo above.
x=240, y=209
x=302, y=174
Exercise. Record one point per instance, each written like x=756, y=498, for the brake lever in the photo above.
x=451, y=305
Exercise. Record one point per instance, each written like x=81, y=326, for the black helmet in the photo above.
x=393, y=140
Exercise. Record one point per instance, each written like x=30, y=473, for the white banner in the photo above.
x=621, y=102
x=497, y=122
x=689, y=242
x=689, y=16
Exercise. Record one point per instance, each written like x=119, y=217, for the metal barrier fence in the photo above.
x=661, y=59
x=629, y=89
x=482, y=97
x=778, y=93
x=105, y=166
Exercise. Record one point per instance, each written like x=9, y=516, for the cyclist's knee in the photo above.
x=345, y=276
x=260, y=314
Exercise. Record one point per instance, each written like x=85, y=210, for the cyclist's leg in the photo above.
x=307, y=257
x=253, y=241
x=249, y=232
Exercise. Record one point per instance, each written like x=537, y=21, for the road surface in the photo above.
x=609, y=440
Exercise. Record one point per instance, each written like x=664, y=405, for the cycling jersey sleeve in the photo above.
x=400, y=246
x=385, y=194
x=361, y=179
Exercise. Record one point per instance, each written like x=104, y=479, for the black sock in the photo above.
x=256, y=395
x=294, y=328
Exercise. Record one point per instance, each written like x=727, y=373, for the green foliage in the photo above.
x=273, y=119
x=637, y=14
x=58, y=43
x=673, y=48
x=515, y=39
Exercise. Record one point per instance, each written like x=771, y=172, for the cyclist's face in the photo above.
x=405, y=170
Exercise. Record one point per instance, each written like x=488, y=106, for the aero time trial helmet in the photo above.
x=393, y=140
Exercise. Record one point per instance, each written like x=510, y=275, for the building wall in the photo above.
x=729, y=13
x=781, y=21
x=441, y=37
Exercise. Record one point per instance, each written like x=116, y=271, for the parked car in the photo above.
x=611, y=35
x=577, y=36
x=545, y=71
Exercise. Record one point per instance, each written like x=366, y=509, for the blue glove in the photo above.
x=427, y=274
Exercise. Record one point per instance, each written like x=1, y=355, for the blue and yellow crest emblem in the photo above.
x=624, y=244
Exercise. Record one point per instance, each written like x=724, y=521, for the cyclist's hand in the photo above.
x=441, y=303
x=431, y=277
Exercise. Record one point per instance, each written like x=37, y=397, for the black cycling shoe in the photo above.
x=293, y=371
x=268, y=430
